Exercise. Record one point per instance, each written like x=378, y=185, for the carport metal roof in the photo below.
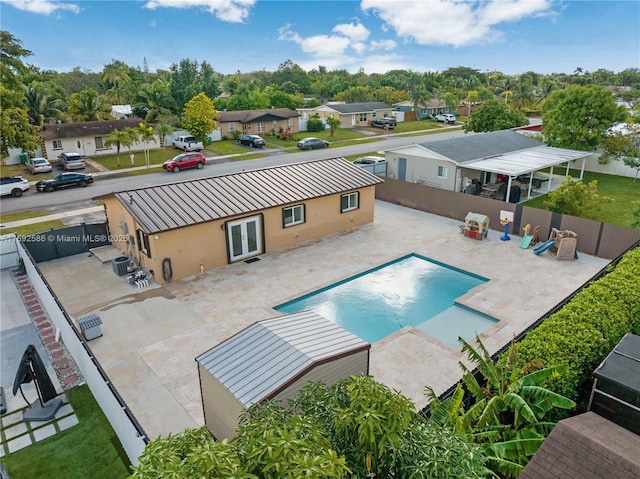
x=522, y=162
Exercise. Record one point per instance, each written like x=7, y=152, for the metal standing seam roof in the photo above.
x=526, y=161
x=265, y=356
x=176, y=205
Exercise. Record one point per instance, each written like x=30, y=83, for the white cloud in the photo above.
x=356, y=32
x=453, y=22
x=345, y=48
x=44, y=7
x=233, y=11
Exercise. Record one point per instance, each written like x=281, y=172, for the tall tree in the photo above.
x=41, y=108
x=199, y=117
x=116, y=76
x=579, y=117
x=145, y=134
x=188, y=78
x=156, y=100
x=494, y=115
x=88, y=105
x=17, y=132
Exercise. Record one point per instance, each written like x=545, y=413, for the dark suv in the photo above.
x=384, y=122
x=185, y=160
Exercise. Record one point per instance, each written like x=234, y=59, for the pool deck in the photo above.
x=151, y=337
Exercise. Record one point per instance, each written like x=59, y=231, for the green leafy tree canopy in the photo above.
x=576, y=198
x=579, y=117
x=199, y=117
x=494, y=115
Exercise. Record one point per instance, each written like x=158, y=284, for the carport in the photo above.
x=525, y=163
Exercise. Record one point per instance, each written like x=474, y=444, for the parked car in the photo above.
x=384, y=122
x=64, y=180
x=312, y=143
x=38, y=165
x=71, y=161
x=185, y=160
x=369, y=160
x=187, y=143
x=13, y=185
x=445, y=118
x=253, y=141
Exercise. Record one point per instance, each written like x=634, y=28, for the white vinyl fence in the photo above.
x=130, y=433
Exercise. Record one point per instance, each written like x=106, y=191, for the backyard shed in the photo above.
x=274, y=359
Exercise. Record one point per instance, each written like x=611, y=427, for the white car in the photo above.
x=187, y=143
x=13, y=185
x=445, y=118
x=369, y=160
x=38, y=165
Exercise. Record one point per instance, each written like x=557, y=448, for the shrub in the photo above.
x=587, y=328
x=315, y=123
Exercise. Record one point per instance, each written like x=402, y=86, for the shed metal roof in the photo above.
x=176, y=205
x=526, y=161
x=261, y=359
x=622, y=365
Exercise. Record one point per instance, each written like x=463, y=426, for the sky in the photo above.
x=511, y=36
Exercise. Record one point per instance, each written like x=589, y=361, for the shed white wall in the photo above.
x=422, y=169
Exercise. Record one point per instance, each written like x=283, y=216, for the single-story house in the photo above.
x=273, y=360
x=179, y=229
x=487, y=157
x=350, y=114
x=88, y=138
x=429, y=109
x=258, y=122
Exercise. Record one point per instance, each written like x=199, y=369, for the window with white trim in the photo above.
x=57, y=144
x=443, y=171
x=261, y=127
x=143, y=243
x=99, y=143
x=349, y=202
x=290, y=122
x=232, y=127
x=363, y=117
x=292, y=215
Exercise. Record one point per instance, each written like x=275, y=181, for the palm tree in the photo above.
x=451, y=100
x=420, y=97
x=116, y=76
x=472, y=97
x=146, y=134
x=88, y=105
x=161, y=130
x=119, y=138
x=41, y=109
x=156, y=98
x=509, y=408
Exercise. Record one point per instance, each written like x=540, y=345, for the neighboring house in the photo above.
x=273, y=360
x=445, y=163
x=121, y=112
x=257, y=122
x=88, y=138
x=350, y=114
x=432, y=108
x=179, y=229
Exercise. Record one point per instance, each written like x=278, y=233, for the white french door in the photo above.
x=244, y=238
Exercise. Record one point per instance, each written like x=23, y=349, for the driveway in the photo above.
x=151, y=337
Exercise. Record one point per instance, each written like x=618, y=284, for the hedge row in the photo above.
x=588, y=327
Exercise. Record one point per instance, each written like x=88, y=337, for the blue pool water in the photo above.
x=412, y=290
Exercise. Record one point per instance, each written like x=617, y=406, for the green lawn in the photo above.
x=89, y=449
x=622, y=189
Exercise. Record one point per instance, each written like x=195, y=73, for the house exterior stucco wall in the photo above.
x=424, y=170
x=87, y=147
x=206, y=243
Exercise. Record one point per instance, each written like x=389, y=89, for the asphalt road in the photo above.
x=74, y=198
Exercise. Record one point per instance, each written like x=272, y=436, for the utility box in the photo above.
x=90, y=326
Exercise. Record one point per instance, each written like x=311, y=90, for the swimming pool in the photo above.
x=410, y=291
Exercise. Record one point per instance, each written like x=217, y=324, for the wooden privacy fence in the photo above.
x=594, y=237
